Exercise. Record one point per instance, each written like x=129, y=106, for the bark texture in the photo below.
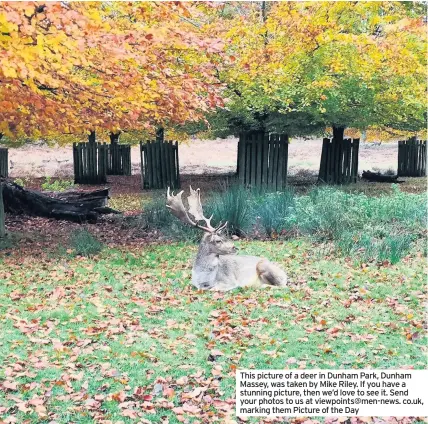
x=378, y=178
x=70, y=206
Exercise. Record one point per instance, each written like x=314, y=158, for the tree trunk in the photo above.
x=2, y=226
x=160, y=134
x=337, y=152
x=338, y=133
x=91, y=137
x=4, y=162
x=114, y=138
x=69, y=206
x=339, y=159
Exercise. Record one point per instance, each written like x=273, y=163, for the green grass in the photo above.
x=127, y=324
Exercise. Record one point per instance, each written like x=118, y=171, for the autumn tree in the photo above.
x=300, y=67
x=82, y=66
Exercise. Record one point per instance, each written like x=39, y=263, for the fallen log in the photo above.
x=69, y=206
x=379, y=178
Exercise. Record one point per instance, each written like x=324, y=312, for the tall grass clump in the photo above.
x=366, y=228
x=409, y=209
x=328, y=212
x=275, y=211
x=234, y=206
x=84, y=243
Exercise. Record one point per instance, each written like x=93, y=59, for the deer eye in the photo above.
x=217, y=241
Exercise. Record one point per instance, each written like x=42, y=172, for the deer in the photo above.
x=217, y=266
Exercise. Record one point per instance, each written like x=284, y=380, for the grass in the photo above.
x=123, y=334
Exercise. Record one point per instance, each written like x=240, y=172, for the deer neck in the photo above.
x=205, y=260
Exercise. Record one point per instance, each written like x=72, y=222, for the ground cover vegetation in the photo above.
x=118, y=333
x=123, y=336
x=361, y=226
x=99, y=323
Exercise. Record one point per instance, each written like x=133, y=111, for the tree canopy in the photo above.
x=300, y=67
x=295, y=67
x=70, y=67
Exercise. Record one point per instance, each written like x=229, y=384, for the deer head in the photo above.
x=213, y=241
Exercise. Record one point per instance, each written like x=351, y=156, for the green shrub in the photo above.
x=57, y=185
x=363, y=227
x=275, y=211
x=84, y=243
x=20, y=181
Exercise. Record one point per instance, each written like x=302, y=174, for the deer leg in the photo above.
x=271, y=274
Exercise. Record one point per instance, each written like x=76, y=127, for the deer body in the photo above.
x=217, y=266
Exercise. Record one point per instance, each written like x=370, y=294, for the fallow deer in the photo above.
x=217, y=266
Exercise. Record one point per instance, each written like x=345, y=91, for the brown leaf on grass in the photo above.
x=10, y=385
x=16, y=295
x=182, y=380
x=92, y=404
x=140, y=393
x=130, y=413
x=169, y=392
x=41, y=411
x=191, y=409
x=217, y=370
x=57, y=293
x=36, y=401
x=119, y=396
x=194, y=393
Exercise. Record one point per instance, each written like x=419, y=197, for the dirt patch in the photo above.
x=198, y=157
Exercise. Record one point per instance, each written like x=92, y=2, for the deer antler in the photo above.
x=195, y=208
x=175, y=205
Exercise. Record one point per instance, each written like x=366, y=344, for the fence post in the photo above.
x=2, y=224
x=4, y=162
x=411, y=158
x=339, y=161
x=159, y=164
x=90, y=162
x=263, y=160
